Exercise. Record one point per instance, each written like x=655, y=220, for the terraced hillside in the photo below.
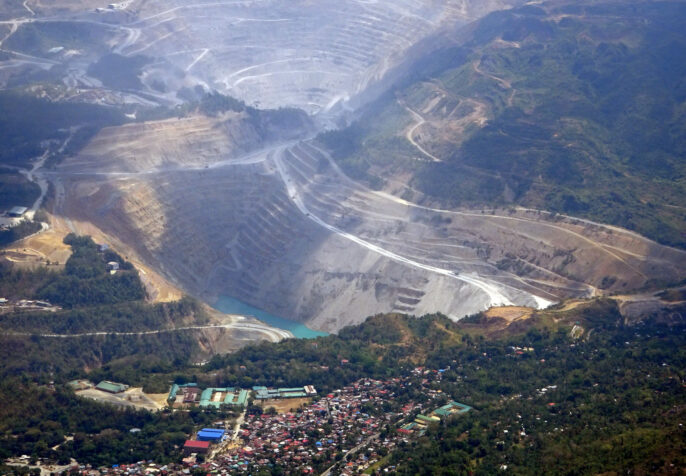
x=571, y=107
x=286, y=230
x=235, y=203
x=311, y=55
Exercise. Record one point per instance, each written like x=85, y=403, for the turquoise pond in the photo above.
x=231, y=305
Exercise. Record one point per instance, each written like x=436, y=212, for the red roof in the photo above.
x=197, y=444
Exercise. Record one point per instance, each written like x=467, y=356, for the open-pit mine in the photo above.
x=219, y=209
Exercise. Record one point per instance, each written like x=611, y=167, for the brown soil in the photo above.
x=510, y=313
x=284, y=405
x=159, y=398
x=36, y=250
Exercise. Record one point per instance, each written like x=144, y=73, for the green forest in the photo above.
x=93, y=301
x=22, y=230
x=610, y=404
x=16, y=190
x=33, y=420
x=85, y=281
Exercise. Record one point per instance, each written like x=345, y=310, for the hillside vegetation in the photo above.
x=612, y=400
x=93, y=300
x=576, y=109
x=28, y=123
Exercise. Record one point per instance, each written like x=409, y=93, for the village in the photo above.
x=345, y=432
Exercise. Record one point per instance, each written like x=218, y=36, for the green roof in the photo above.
x=293, y=394
x=205, y=396
x=111, y=386
x=242, y=397
x=426, y=418
x=452, y=408
x=176, y=387
x=172, y=392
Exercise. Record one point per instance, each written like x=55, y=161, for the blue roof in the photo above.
x=209, y=435
x=214, y=430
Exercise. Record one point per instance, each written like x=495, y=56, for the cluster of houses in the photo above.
x=349, y=421
x=338, y=421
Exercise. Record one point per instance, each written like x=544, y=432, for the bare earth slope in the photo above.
x=218, y=208
x=286, y=230
x=270, y=53
x=301, y=53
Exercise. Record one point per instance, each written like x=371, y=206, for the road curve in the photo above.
x=274, y=334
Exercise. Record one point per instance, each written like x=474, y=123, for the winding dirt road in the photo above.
x=419, y=122
x=274, y=335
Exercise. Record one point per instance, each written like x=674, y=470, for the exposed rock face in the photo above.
x=221, y=209
x=284, y=230
x=303, y=53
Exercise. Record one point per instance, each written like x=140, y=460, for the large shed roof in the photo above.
x=197, y=444
x=111, y=387
x=18, y=211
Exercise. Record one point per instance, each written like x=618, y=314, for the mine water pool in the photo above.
x=231, y=305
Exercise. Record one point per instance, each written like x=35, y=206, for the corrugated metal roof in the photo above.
x=196, y=444
x=293, y=394
x=204, y=435
x=172, y=392
x=111, y=386
x=214, y=430
x=18, y=210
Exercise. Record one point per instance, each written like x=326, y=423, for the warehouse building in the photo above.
x=111, y=387
x=194, y=446
x=17, y=212
x=212, y=435
x=264, y=393
x=216, y=397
